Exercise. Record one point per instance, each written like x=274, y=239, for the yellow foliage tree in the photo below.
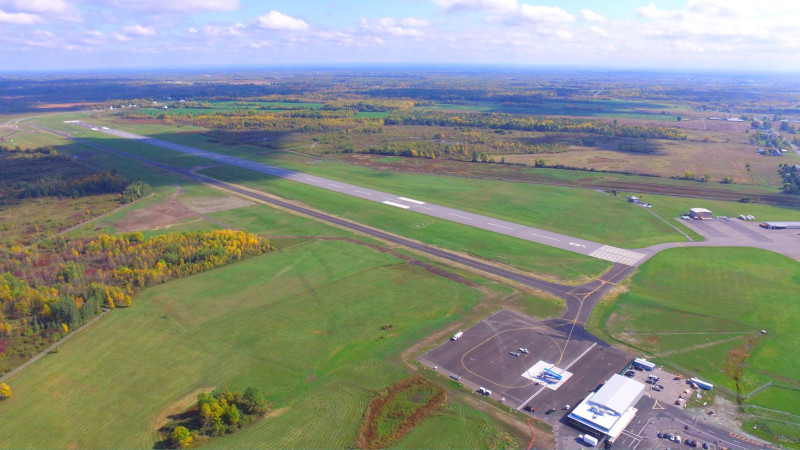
x=5, y=391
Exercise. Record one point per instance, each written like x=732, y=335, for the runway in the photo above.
x=549, y=238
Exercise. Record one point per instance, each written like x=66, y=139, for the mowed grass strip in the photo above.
x=685, y=299
x=303, y=324
x=482, y=243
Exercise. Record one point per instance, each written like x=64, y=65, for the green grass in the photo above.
x=577, y=108
x=584, y=213
x=275, y=222
x=714, y=291
x=670, y=207
x=471, y=429
x=527, y=255
x=303, y=324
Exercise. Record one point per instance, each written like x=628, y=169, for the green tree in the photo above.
x=254, y=400
x=233, y=416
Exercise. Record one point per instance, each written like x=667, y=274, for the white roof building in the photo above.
x=609, y=410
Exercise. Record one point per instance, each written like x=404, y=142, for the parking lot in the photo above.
x=488, y=355
x=736, y=232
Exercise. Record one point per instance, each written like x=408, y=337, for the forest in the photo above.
x=58, y=285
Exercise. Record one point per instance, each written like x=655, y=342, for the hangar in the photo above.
x=700, y=213
x=609, y=410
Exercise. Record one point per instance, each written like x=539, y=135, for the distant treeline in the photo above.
x=530, y=123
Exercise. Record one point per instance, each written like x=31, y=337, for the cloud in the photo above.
x=138, y=30
x=387, y=25
x=549, y=14
x=232, y=30
x=477, y=5
x=19, y=18
x=170, y=6
x=590, y=16
x=274, y=20
x=55, y=9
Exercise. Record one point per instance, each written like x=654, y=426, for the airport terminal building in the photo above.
x=609, y=410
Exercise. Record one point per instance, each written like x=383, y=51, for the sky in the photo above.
x=696, y=35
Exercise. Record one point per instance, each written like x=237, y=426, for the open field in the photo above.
x=702, y=310
x=725, y=154
x=577, y=108
x=303, y=324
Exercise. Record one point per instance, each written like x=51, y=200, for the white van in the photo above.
x=590, y=440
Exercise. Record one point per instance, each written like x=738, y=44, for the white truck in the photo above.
x=591, y=441
x=457, y=335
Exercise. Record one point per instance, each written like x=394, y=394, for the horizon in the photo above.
x=674, y=36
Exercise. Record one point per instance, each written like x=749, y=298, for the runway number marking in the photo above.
x=575, y=244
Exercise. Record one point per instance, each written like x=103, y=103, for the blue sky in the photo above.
x=54, y=35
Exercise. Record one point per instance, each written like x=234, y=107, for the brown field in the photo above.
x=716, y=153
x=36, y=219
x=154, y=217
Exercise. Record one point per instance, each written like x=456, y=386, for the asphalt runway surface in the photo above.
x=549, y=238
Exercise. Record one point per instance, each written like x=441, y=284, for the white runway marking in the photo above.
x=461, y=217
x=411, y=200
x=337, y=186
x=544, y=237
x=425, y=207
x=362, y=192
x=396, y=204
x=500, y=226
x=312, y=180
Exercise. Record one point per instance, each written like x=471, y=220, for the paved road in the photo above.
x=549, y=238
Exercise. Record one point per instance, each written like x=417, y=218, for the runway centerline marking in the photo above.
x=499, y=226
x=396, y=204
x=362, y=192
x=461, y=217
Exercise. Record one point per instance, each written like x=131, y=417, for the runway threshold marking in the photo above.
x=396, y=204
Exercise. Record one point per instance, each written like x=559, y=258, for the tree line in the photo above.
x=530, y=123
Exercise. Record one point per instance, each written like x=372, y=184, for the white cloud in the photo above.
x=551, y=14
x=387, y=25
x=55, y=9
x=192, y=30
x=138, y=30
x=274, y=20
x=591, y=16
x=171, y=6
x=477, y=5
x=121, y=37
x=651, y=11
x=19, y=18
x=232, y=30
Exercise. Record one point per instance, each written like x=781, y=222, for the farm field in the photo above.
x=323, y=304
x=712, y=330
x=493, y=246
x=580, y=108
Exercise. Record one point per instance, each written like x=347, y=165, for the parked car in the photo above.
x=706, y=446
x=514, y=354
x=551, y=411
x=530, y=408
x=660, y=435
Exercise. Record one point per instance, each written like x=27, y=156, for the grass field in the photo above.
x=699, y=309
x=583, y=213
x=578, y=108
x=303, y=324
x=527, y=255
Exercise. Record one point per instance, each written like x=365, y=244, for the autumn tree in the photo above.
x=5, y=391
x=181, y=436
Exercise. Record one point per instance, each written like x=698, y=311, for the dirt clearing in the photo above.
x=206, y=205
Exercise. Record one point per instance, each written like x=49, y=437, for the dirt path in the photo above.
x=44, y=352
